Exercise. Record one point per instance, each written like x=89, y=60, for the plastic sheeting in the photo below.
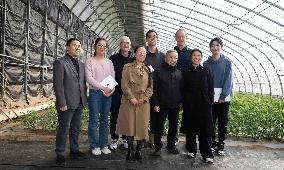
x=42, y=49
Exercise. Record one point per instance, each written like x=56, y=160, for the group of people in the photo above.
x=152, y=86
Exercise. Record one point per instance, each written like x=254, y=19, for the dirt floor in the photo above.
x=26, y=149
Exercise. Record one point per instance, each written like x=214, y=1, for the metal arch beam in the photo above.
x=256, y=13
x=95, y=10
x=232, y=63
x=229, y=14
x=229, y=47
x=73, y=6
x=233, y=50
x=242, y=40
x=273, y=4
x=278, y=76
x=88, y=4
x=234, y=72
x=107, y=24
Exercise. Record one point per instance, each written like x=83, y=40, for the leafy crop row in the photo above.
x=255, y=116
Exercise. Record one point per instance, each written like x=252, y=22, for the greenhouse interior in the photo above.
x=33, y=36
x=34, y=32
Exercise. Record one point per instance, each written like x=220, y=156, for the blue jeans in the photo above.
x=98, y=103
x=69, y=120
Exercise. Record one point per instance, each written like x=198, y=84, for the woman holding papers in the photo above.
x=134, y=112
x=100, y=77
x=197, y=90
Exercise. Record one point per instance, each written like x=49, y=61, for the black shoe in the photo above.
x=220, y=149
x=157, y=152
x=130, y=156
x=60, y=159
x=172, y=150
x=77, y=155
x=214, y=146
x=138, y=156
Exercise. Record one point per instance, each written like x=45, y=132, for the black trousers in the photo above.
x=204, y=145
x=115, y=104
x=172, y=114
x=153, y=119
x=220, y=112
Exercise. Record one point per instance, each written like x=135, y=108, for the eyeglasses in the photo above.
x=102, y=46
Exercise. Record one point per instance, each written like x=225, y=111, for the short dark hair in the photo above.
x=217, y=39
x=193, y=50
x=148, y=32
x=69, y=41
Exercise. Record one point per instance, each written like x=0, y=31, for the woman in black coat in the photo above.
x=198, y=93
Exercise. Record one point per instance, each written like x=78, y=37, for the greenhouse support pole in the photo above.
x=43, y=47
x=26, y=48
x=2, y=50
x=57, y=33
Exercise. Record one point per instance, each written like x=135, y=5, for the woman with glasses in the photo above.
x=134, y=111
x=97, y=69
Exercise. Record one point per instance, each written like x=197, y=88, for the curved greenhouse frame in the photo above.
x=33, y=35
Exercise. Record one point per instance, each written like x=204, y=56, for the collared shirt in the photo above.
x=154, y=59
x=75, y=62
x=184, y=60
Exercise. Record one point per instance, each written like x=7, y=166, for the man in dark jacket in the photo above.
x=167, y=100
x=183, y=50
x=154, y=60
x=119, y=60
x=70, y=91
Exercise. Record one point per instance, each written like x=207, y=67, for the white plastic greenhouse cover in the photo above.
x=252, y=31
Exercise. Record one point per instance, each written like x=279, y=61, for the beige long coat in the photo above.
x=133, y=120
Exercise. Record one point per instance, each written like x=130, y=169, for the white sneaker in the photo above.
x=105, y=150
x=113, y=144
x=125, y=144
x=221, y=153
x=209, y=160
x=191, y=155
x=96, y=151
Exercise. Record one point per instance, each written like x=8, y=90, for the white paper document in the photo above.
x=151, y=68
x=109, y=82
x=217, y=92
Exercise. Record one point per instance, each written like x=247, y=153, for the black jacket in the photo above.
x=167, y=87
x=154, y=59
x=198, y=93
x=119, y=61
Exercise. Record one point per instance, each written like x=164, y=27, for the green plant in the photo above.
x=256, y=116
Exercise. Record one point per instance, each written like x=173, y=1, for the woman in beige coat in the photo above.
x=134, y=112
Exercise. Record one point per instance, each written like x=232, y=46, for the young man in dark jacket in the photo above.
x=167, y=100
x=154, y=59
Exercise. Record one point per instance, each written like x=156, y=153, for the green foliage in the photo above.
x=48, y=119
x=256, y=116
